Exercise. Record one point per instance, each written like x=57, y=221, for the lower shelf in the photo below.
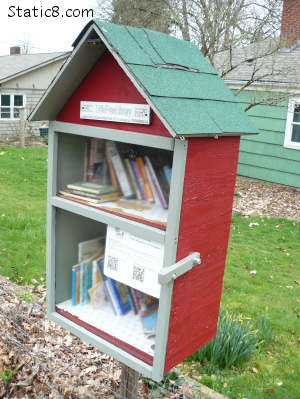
x=125, y=332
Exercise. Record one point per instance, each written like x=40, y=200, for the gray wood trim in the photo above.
x=59, y=98
x=171, y=240
x=50, y=251
x=134, y=80
x=99, y=343
x=147, y=140
x=136, y=228
x=170, y=273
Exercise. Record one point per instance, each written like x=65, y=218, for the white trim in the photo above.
x=12, y=106
x=288, y=143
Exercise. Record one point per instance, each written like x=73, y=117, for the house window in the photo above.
x=10, y=105
x=292, y=130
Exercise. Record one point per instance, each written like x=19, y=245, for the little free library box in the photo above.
x=143, y=149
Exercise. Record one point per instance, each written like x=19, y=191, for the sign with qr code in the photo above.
x=133, y=260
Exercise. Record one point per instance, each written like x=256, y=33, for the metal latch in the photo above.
x=170, y=273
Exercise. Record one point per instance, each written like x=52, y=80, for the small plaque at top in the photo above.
x=115, y=112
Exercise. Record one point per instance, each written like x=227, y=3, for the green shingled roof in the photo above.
x=178, y=81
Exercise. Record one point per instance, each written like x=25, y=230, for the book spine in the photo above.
x=136, y=299
x=155, y=181
x=112, y=295
x=146, y=185
x=120, y=170
x=131, y=300
x=138, y=179
x=112, y=174
x=90, y=171
x=132, y=179
x=168, y=173
x=81, y=277
x=75, y=285
x=154, y=192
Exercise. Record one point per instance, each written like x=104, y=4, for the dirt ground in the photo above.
x=40, y=360
x=257, y=198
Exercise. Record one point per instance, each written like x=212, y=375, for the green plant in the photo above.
x=265, y=330
x=234, y=343
x=25, y=296
x=171, y=380
x=7, y=375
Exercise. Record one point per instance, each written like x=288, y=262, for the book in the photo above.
x=154, y=178
x=119, y=170
x=117, y=292
x=90, y=248
x=154, y=192
x=149, y=323
x=138, y=178
x=112, y=174
x=92, y=188
x=97, y=295
x=132, y=179
x=131, y=300
x=145, y=182
x=86, y=198
x=90, y=169
x=76, y=284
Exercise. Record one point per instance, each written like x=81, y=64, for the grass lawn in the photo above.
x=270, y=247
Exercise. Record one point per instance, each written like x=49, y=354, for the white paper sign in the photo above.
x=133, y=260
x=115, y=112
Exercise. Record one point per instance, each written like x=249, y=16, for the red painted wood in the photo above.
x=107, y=82
x=204, y=227
x=145, y=357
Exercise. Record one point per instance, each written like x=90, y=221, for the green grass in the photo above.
x=271, y=248
x=23, y=175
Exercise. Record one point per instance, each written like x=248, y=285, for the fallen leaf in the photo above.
x=254, y=370
x=270, y=391
x=225, y=385
x=279, y=383
x=253, y=272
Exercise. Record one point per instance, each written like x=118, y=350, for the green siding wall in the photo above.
x=263, y=156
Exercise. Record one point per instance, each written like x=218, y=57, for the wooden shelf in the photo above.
x=111, y=216
x=125, y=331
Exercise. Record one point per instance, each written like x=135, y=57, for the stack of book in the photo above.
x=112, y=173
x=89, y=192
x=91, y=285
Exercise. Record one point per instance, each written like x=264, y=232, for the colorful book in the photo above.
x=75, y=284
x=149, y=323
x=136, y=298
x=119, y=169
x=118, y=295
x=90, y=170
x=112, y=174
x=145, y=182
x=90, y=248
x=154, y=192
x=109, y=296
x=92, y=188
x=132, y=179
x=131, y=300
x=154, y=178
x=138, y=179
x=97, y=295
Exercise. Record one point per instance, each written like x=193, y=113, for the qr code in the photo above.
x=112, y=263
x=138, y=273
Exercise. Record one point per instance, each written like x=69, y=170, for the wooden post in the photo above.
x=22, y=126
x=129, y=383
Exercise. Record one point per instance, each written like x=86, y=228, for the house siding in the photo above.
x=263, y=156
x=33, y=85
x=10, y=129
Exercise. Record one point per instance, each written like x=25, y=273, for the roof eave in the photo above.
x=41, y=65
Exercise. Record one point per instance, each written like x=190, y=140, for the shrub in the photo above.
x=234, y=343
